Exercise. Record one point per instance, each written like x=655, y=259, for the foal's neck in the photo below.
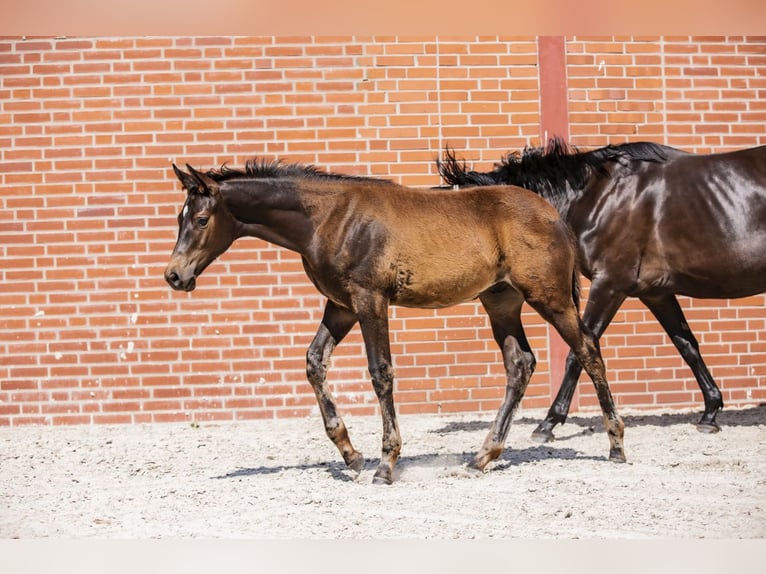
x=269, y=209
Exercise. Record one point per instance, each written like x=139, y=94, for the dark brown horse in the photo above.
x=651, y=222
x=367, y=244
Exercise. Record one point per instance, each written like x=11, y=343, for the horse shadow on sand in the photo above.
x=457, y=463
x=446, y=464
x=449, y=464
x=584, y=424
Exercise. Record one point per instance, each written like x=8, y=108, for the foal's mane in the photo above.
x=258, y=168
x=556, y=171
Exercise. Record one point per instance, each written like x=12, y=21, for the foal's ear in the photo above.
x=206, y=185
x=189, y=183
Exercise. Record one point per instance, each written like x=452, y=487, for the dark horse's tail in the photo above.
x=454, y=172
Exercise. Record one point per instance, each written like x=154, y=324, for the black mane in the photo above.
x=556, y=171
x=257, y=168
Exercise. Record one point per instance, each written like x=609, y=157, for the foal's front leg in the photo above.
x=372, y=311
x=335, y=325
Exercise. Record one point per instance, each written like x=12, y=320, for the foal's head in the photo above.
x=205, y=230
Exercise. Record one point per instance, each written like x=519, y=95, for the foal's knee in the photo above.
x=524, y=364
x=382, y=378
x=316, y=370
x=519, y=361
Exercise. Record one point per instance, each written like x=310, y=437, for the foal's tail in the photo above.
x=576, y=287
x=575, y=270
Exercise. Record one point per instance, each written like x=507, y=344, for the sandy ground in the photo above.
x=284, y=479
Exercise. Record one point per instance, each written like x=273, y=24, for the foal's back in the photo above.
x=435, y=213
x=435, y=248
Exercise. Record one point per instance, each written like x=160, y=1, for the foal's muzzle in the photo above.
x=178, y=282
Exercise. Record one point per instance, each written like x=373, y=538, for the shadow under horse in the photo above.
x=367, y=244
x=651, y=222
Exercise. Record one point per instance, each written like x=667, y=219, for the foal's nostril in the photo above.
x=178, y=283
x=172, y=278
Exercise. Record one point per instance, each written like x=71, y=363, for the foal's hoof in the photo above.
x=476, y=466
x=382, y=478
x=473, y=469
x=543, y=433
x=617, y=455
x=708, y=428
x=357, y=463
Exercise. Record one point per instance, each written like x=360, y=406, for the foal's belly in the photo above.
x=432, y=286
x=431, y=300
x=426, y=292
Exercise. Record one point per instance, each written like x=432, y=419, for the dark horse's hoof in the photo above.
x=543, y=433
x=708, y=428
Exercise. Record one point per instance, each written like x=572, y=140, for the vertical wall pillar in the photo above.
x=554, y=121
x=554, y=102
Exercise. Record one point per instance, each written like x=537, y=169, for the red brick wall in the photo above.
x=89, y=331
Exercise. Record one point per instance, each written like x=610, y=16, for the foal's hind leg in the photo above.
x=603, y=303
x=336, y=324
x=504, y=310
x=585, y=347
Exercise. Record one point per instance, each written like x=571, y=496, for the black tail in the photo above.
x=453, y=171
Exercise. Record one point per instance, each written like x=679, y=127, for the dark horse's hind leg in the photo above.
x=504, y=310
x=668, y=312
x=336, y=324
x=601, y=308
x=603, y=303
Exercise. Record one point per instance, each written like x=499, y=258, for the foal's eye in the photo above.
x=202, y=222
